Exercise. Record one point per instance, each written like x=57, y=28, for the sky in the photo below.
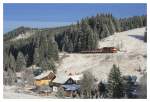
x=54, y=15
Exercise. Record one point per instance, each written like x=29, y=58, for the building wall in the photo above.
x=55, y=89
x=41, y=82
x=68, y=93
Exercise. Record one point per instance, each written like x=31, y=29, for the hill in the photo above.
x=130, y=59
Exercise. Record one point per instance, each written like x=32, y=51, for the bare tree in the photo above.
x=87, y=84
x=9, y=77
x=28, y=77
x=142, y=89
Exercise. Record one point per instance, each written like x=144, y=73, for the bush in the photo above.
x=60, y=93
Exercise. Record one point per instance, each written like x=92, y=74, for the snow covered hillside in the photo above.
x=23, y=35
x=131, y=58
x=128, y=41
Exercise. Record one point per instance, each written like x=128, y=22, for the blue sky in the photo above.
x=52, y=15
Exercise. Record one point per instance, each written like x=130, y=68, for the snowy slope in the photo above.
x=130, y=58
x=129, y=41
x=23, y=36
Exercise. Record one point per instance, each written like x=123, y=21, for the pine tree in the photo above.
x=65, y=42
x=36, y=57
x=48, y=64
x=88, y=38
x=52, y=49
x=12, y=63
x=21, y=63
x=115, y=83
x=84, y=35
x=5, y=61
x=51, y=65
x=105, y=32
x=79, y=45
x=145, y=36
x=130, y=86
x=102, y=89
x=112, y=27
x=70, y=46
x=11, y=77
x=142, y=88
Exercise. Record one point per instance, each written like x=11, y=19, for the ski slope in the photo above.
x=131, y=57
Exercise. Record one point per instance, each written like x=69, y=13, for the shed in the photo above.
x=44, y=78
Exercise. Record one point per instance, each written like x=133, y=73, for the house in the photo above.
x=44, y=78
x=68, y=82
x=71, y=88
x=58, y=81
x=109, y=50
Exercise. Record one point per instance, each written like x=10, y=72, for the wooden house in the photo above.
x=68, y=82
x=70, y=88
x=58, y=81
x=44, y=78
x=109, y=50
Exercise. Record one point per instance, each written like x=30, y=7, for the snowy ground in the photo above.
x=130, y=58
x=9, y=92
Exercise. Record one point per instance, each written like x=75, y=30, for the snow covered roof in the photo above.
x=34, y=67
x=60, y=79
x=42, y=75
x=76, y=77
x=63, y=78
x=18, y=74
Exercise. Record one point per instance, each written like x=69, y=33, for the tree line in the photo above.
x=85, y=34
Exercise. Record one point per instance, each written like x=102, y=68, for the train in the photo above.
x=102, y=50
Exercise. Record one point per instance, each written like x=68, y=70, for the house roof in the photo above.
x=70, y=81
x=60, y=78
x=34, y=67
x=76, y=77
x=72, y=87
x=18, y=74
x=42, y=75
x=63, y=78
